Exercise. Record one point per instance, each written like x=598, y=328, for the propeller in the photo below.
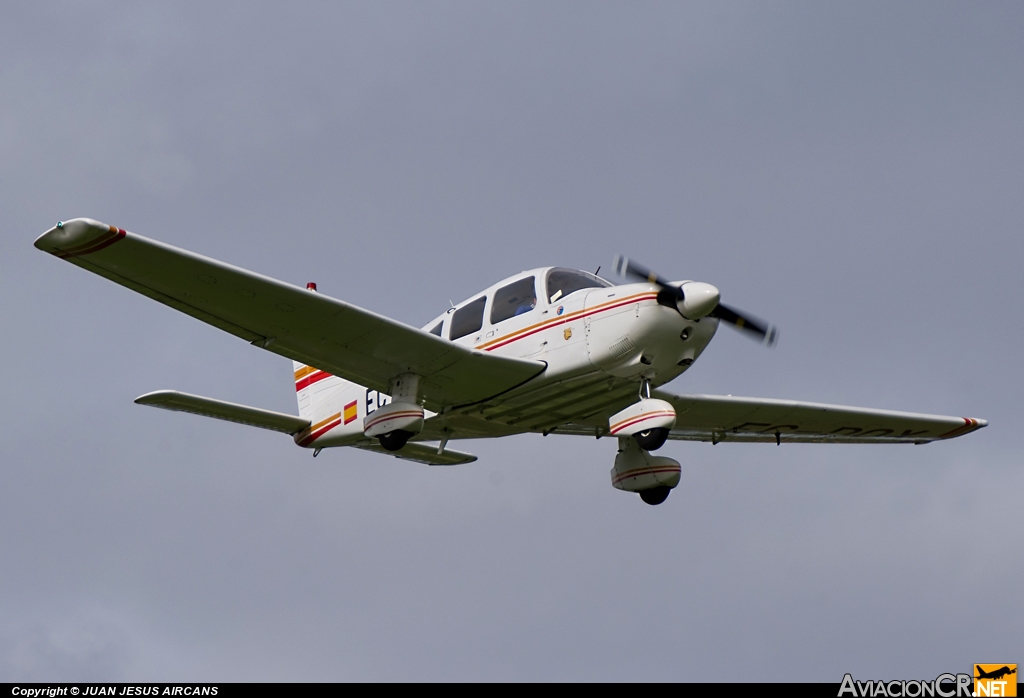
x=695, y=299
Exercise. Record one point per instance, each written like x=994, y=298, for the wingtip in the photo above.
x=78, y=236
x=155, y=397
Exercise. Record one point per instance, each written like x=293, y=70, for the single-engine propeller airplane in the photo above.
x=550, y=351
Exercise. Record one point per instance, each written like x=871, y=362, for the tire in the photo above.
x=394, y=440
x=652, y=439
x=655, y=495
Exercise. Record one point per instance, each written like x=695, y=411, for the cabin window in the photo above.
x=468, y=319
x=436, y=329
x=562, y=282
x=515, y=299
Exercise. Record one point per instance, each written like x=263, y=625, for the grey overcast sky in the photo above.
x=852, y=171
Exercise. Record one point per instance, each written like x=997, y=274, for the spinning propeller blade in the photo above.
x=627, y=267
x=673, y=296
x=763, y=331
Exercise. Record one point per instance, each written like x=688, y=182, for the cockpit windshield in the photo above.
x=562, y=282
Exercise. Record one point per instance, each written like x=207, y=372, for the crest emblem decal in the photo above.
x=567, y=333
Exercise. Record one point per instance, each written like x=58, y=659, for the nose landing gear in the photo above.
x=655, y=495
x=651, y=439
x=636, y=470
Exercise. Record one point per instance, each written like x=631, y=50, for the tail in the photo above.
x=314, y=389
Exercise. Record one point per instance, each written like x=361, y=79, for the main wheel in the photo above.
x=652, y=439
x=394, y=440
x=655, y=495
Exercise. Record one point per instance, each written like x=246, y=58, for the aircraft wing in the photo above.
x=219, y=409
x=725, y=418
x=329, y=334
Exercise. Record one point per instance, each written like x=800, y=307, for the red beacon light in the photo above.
x=311, y=286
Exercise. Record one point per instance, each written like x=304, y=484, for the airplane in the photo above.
x=548, y=351
x=996, y=674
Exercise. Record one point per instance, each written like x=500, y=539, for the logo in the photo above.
x=995, y=680
x=944, y=686
x=988, y=680
x=561, y=308
x=567, y=333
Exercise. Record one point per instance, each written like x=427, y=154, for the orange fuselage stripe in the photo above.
x=562, y=319
x=320, y=428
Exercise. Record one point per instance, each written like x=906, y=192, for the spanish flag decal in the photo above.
x=351, y=412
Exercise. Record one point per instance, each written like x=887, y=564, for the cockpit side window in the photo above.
x=562, y=282
x=515, y=299
x=468, y=319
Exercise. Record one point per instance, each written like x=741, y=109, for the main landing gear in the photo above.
x=394, y=440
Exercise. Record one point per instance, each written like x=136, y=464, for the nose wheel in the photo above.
x=655, y=495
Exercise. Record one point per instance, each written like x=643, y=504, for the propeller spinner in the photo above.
x=695, y=299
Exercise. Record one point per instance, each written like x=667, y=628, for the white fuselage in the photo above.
x=600, y=331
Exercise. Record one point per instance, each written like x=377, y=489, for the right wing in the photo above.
x=726, y=418
x=317, y=330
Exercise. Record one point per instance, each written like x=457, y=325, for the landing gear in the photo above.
x=394, y=440
x=652, y=439
x=655, y=495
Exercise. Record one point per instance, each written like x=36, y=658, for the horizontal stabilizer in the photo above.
x=423, y=453
x=228, y=411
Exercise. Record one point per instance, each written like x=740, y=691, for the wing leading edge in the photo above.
x=332, y=335
x=718, y=418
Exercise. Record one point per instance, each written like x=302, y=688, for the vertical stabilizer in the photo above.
x=314, y=389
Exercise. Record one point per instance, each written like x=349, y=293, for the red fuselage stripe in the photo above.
x=310, y=379
x=570, y=317
x=319, y=432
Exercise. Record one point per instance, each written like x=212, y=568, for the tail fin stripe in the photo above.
x=309, y=380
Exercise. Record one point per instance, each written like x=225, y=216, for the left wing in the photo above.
x=725, y=418
x=312, y=328
x=219, y=409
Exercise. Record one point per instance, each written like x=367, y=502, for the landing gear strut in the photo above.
x=655, y=495
x=394, y=440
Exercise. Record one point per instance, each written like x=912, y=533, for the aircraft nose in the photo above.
x=699, y=299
